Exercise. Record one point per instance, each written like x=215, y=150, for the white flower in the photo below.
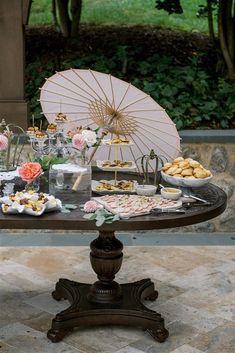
x=90, y=137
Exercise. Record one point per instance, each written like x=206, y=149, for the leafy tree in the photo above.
x=226, y=27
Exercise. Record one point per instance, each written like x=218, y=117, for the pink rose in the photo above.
x=79, y=142
x=30, y=171
x=91, y=206
x=3, y=142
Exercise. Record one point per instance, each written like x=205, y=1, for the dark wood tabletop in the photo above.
x=75, y=220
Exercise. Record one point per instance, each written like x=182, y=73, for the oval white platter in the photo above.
x=10, y=206
x=134, y=205
x=131, y=166
x=107, y=142
x=95, y=183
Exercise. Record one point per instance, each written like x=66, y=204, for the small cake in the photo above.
x=40, y=135
x=61, y=118
x=32, y=130
x=52, y=128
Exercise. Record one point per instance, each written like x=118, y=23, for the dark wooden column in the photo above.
x=13, y=17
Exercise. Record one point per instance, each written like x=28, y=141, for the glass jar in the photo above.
x=71, y=181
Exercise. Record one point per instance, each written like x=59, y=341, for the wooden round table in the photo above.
x=107, y=302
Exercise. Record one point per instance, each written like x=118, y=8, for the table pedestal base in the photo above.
x=106, y=302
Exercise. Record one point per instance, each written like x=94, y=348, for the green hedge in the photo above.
x=193, y=96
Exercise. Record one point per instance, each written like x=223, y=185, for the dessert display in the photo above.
x=135, y=205
x=185, y=172
x=122, y=185
x=30, y=203
x=116, y=164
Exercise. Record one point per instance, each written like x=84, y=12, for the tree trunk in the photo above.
x=226, y=35
x=210, y=21
x=54, y=14
x=76, y=9
x=65, y=22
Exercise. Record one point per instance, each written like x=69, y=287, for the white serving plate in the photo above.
x=177, y=204
x=185, y=182
x=52, y=204
x=123, y=169
x=106, y=142
x=95, y=183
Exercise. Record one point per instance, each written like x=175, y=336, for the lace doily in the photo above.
x=9, y=175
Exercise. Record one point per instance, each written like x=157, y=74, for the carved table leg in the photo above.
x=106, y=302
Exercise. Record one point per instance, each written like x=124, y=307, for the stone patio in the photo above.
x=196, y=287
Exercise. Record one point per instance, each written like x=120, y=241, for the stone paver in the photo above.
x=196, y=287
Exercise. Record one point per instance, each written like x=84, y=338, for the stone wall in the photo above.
x=220, y=159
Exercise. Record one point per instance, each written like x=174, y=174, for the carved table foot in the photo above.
x=127, y=310
x=106, y=302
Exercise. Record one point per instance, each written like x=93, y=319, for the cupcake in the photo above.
x=61, y=118
x=52, y=128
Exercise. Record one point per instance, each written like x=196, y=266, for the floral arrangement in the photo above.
x=30, y=171
x=3, y=142
x=10, y=146
x=83, y=138
x=97, y=212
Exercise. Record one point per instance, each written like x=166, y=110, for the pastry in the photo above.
x=187, y=172
x=32, y=130
x=118, y=141
x=61, y=118
x=184, y=165
x=177, y=160
x=166, y=166
x=116, y=163
x=194, y=164
x=120, y=186
x=178, y=171
x=171, y=170
x=186, y=168
x=200, y=173
x=40, y=135
x=52, y=128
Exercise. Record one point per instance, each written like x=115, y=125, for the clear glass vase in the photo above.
x=71, y=181
x=33, y=186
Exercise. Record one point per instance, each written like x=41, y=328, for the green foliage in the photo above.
x=36, y=72
x=102, y=216
x=192, y=96
x=129, y=12
x=48, y=160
